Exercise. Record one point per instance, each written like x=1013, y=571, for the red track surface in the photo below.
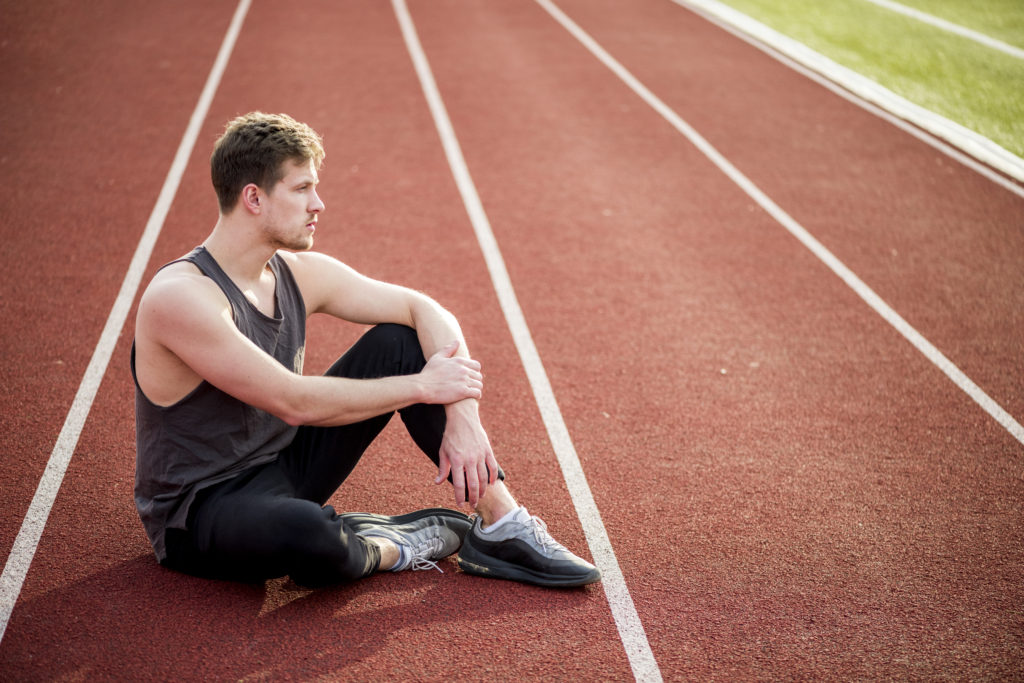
x=831, y=506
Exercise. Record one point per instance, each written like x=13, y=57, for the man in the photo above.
x=238, y=452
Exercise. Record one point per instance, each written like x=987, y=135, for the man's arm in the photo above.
x=185, y=319
x=333, y=288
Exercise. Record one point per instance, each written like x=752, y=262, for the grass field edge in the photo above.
x=968, y=141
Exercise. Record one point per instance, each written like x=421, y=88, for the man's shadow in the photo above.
x=139, y=621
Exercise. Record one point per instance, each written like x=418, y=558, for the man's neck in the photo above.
x=238, y=250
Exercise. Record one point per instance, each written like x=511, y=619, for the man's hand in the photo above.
x=447, y=378
x=466, y=454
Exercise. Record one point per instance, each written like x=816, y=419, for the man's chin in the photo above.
x=297, y=246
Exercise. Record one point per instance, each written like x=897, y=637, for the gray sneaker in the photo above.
x=521, y=549
x=424, y=536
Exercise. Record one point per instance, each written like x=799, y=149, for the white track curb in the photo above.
x=968, y=141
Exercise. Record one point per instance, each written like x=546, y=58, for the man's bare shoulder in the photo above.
x=178, y=292
x=321, y=278
x=180, y=311
x=181, y=278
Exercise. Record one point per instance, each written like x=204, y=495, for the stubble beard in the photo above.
x=292, y=242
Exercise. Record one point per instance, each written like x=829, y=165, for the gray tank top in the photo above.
x=209, y=436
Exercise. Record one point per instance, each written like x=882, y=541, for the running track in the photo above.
x=791, y=489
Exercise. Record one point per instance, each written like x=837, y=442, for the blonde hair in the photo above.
x=254, y=148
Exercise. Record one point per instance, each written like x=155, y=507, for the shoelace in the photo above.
x=420, y=553
x=541, y=535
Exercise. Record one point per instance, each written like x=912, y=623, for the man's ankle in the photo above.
x=496, y=503
x=389, y=552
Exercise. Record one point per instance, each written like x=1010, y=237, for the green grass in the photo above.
x=999, y=19
x=978, y=87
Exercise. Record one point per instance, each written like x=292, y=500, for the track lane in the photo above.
x=394, y=213
x=630, y=629
x=811, y=507
x=911, y=222
x=784, y=219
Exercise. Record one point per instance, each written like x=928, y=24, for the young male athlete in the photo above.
x=238, y=451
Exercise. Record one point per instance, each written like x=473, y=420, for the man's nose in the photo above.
x=317, y=205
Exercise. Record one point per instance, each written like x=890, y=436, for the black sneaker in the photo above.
x=521, y=549
x=425, y=535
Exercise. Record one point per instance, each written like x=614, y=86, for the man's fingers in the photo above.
x=472, y=487
x=492, y=469
x=482, y=477
x=459, y=484
x=443, y=468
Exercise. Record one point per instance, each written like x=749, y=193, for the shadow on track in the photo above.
x=139, y=621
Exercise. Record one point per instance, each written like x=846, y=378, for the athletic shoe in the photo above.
x=521, y=549
x=423, y=536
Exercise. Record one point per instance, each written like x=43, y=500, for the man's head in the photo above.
x=254, y=149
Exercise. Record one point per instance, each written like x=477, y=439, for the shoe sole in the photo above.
x=510, y=572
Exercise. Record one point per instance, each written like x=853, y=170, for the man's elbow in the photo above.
x=302, y=411
x=294, y=419
x=294, y=407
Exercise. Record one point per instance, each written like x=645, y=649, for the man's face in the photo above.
x=292, y=206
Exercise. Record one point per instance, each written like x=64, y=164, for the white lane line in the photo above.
x=631, y=630
x=817, y=248
x=834, y=86
x=971, y=142
x=25, y=544
x=949, y=26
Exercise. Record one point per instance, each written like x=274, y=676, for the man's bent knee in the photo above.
x=386, y=350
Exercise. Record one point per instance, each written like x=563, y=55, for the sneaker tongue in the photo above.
x=521, y=515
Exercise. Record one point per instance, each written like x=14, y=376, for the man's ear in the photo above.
x=252, y=198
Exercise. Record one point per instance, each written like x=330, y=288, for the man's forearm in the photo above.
x=445, y=379
x=330, y=401
x=435, y=326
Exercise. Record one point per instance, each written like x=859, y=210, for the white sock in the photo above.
x=508, y=515
x=403, y=558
